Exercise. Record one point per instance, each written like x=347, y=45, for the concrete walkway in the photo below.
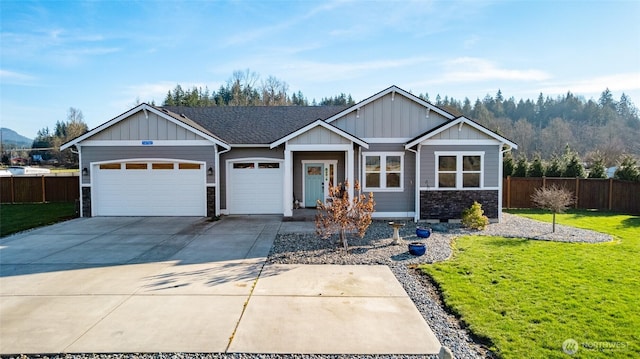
x=122, y=285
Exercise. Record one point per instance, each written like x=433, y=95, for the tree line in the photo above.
x=568, y=164
x=245, y=88
x=604, y=129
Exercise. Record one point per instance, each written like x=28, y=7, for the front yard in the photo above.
x=19, y=217
x=526, y=298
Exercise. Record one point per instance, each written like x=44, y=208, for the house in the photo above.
x=419, y=160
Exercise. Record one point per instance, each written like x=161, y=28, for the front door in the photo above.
x=313, y=184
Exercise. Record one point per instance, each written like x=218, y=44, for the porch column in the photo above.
x=288, y=183
x=349, y=174
x=416, y=216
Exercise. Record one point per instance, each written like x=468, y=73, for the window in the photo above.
x=244, y=165
x=136, y=166
x=189, y=166
x=459, y=170
x=110, y=166
x=162, y=166
x=383, y=171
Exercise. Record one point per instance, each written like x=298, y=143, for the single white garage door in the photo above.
x=255, y=187
x=151, y=188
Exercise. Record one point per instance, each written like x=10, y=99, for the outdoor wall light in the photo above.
x=85, y=171
x=210, y=171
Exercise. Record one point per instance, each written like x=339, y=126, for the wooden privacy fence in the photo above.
x=590, y=193
x=36, y=189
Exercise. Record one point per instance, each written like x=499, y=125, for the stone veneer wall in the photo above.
x=211, y=201
x=86, y=201
x=445, y=205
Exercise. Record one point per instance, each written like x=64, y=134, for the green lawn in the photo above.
x=526, y=297
x=19, y=217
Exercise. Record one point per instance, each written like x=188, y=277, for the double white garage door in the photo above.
x=149, y=188
x=178, y=188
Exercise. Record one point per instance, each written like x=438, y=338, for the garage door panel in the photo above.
x=149, y=192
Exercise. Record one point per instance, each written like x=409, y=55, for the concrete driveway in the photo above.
x=158, y=284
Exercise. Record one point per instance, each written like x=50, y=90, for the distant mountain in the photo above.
x=11, y=137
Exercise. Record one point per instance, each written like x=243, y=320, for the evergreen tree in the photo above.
x=574, y=167
x=507, y=165
x=598, y=170
x=537, y=167
x=628, y=170
x=556, y=167
x=522, y=168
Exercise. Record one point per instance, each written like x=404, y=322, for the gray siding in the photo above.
x=384, y=118
x=140, y=127
x=491, y=163
x=276, y=153
x=109, y=153
x=319, y=135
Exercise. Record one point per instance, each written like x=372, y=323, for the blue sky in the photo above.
x=100, y=56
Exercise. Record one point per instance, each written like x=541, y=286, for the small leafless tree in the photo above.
x=553, y=198
x=339, y=214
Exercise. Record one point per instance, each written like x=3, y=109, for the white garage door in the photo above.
x=151, y=188
x=255, y=187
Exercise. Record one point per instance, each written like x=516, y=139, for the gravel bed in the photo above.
x=377, y=248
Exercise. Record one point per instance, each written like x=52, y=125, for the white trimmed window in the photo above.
x=459, y=170
x=383, y=171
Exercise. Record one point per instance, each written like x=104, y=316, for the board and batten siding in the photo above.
x=141, y=127
x=491, y=163
x=319, y=135
x=115, y=153
x=387, y=118
x=460, y=133
x=238, y=153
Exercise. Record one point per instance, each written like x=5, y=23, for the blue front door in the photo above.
x=313, y=184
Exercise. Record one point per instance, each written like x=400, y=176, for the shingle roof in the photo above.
x=254, y=124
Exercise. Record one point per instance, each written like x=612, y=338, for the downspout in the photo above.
x=217, y=165
x=416, y=205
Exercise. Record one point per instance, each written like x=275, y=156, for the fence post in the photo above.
x=577, y=192
x=13, y=191
x=44, y=192
x=610, y=193
x=544, y=182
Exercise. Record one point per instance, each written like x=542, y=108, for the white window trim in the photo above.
x=383, y=172
x=459, y=172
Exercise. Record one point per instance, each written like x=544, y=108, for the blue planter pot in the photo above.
x=417, y=248
x=423, y=232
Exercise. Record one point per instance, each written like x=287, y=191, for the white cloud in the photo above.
x=13, y=77
x=470, y=69
x=616, y=82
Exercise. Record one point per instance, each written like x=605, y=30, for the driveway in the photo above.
x=159, y=284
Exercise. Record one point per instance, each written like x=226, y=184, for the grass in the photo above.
x=526, y=297
x=19, y=217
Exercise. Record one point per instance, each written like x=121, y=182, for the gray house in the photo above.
x=420, y=161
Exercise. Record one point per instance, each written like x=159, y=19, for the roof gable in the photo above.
x=320, y=132
x=145, y=122
x=459, y=130
x=392, y=115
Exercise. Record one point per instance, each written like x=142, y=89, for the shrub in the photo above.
x=522, y=167
x=340, y=214
x=473, y=217
x=553, y=198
